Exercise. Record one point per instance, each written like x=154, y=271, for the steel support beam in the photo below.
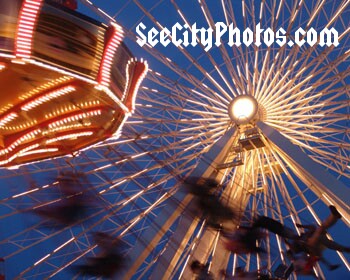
x=206, y=168
x=168, y=216
x=314, y=175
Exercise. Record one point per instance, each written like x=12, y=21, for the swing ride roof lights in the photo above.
x=60, y=70
x=27, y=20
x=110, y=49
x=243, y=109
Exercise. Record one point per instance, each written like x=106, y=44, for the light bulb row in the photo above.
x=107, y=59
x=28, y=15
x=69, y=136
x=76, y=117
x=47, y=97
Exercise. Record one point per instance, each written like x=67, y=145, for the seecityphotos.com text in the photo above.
x=185, y=36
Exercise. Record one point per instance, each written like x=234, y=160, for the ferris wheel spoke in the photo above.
x=182, y=73
x=159, y=165
x=280, y=167
x=183, y=100
x=185, y=91
x=237, y=52
x=340, y=59
x=46, y=257
x=190, y=58
x=55, y=231
x=210, y=22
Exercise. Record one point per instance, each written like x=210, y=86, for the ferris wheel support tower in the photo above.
x=217, y=162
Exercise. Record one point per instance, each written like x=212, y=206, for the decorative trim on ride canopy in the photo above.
x=27, y=20
x=47, y=97
x=135, y=73
x=114, y=36
x=7, y=118
x=33, y=102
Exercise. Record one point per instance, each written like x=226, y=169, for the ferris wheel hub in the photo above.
x=243, y=109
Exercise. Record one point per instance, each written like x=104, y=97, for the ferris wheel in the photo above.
x=269, y=122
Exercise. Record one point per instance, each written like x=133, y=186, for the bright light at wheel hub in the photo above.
x=243, y=109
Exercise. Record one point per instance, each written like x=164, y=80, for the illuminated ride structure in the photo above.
x=68, y=81
x=269, y=123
